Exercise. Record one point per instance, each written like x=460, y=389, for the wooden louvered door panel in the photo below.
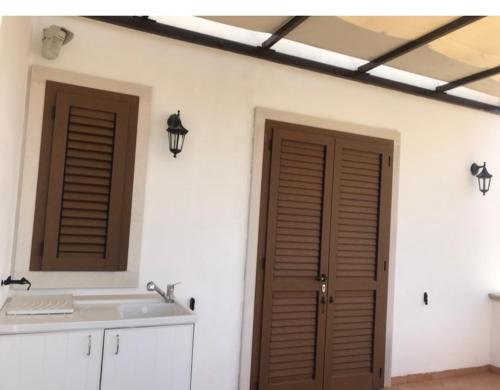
x=297, y=246
x=90, y=181
x=355, y=340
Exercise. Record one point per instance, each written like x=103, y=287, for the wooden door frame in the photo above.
x=259, y=180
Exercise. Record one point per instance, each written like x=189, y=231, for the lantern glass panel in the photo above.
x=484, y=184
x=487, y=184
x=171, y=140
x=180, y=143
x=176, y=141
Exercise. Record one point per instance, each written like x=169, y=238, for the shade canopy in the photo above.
x=468, y=50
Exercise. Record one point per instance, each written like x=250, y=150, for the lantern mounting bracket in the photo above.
x=474, y=169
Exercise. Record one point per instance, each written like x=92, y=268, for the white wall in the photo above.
x=195, y=222
x=15, y=43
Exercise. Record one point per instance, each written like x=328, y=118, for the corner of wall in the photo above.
x=14, y=69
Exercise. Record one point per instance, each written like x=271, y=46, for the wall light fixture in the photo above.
x=176, y=133
x=483, y=177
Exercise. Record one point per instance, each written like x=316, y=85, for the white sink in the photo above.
x=152, y=310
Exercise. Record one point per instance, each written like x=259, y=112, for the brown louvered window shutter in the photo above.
x=84, y=194
x=355, y=342
x=292, y=342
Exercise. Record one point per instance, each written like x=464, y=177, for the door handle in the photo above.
x=117, y=350
x=322, y=278
x=89, y=348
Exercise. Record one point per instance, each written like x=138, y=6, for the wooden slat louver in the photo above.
x=358, y=208
x=87, y=183
x=300, y=198
x=297, y=253
x=356, y=317
x=85, y=180
x=293, y=336
x=352, y=342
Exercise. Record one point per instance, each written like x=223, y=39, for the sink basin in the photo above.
x=152, y=310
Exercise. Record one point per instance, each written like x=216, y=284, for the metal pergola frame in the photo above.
x=144, y=24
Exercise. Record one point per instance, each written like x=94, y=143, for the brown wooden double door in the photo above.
x=321, y=296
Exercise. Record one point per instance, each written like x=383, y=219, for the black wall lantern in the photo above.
x=176, y=133
x=483, y=177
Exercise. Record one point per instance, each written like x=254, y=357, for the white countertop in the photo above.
x=92, y=312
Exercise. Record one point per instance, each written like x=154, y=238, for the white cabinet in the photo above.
x=148, y=358
x=157, y=357
x=51, y=361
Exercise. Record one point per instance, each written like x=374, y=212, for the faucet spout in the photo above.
x=151, y=286
x=167, y=296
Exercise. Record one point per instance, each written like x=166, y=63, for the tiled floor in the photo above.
x=481, y=381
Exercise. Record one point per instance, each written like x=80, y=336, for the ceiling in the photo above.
x=465, y=51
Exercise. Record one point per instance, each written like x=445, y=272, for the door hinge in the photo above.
x=385, y=265
x=389, y=161
x=381, y=372
x=42, y=247
x=53, y=112
x=263, y=263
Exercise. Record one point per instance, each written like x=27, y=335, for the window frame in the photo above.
x=29, y=175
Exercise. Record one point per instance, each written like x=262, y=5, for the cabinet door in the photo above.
x=51, y=361
x=148, y=358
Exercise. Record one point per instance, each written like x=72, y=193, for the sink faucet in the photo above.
x=167, y=296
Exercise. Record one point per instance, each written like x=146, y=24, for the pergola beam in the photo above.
x=469, y=79
x=419, y=42
x=284, y=30
x=194, y=37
